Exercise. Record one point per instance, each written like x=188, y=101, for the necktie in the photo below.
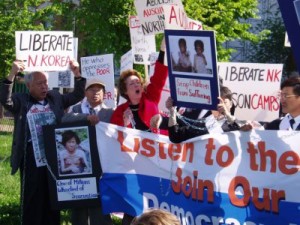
x=292, y=122
x=92, y=111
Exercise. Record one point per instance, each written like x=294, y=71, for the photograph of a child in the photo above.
x=191, y=54
x=73, y=152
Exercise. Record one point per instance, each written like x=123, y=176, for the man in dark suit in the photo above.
x=92, y=110
x=31, y=111
x=290, y=103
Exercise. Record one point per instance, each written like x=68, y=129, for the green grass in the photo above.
x=10, y=188
x=9, y=185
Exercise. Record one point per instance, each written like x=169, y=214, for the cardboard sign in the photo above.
x=255, y=89
x=177, y=19
x=142, y=46
x=45, y=50
x=101, y=66
x=126, y=61
x=151, y=15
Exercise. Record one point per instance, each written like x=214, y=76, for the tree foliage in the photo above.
x=19, y=15
x=102, y=26
x=227, y=18
x=271, y=49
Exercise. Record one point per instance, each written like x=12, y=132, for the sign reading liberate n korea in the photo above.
x=249, y=178
x=45, y=50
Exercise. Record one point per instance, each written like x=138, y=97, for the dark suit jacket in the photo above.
x=274, y=125
x=19, y=104
x=77, y=116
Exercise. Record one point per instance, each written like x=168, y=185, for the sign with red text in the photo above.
x=194, y=81
x=151, y=15
x=231, y=178
x=255, y=89
x=102, y=67
x=176, y=18
x=45, y=50
x=142, y=46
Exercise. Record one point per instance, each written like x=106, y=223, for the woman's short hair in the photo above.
x=156, y=217
x=122, y=81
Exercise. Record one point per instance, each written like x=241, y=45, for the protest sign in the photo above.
x=193, y=76
x=73, y=178
x=44, y=50
x=151, y=15
x=231, y=178
x=102, y=67
x=126, y=61
x=142, y=46
x=176, y=18
x=63, y=79
x=255, y=88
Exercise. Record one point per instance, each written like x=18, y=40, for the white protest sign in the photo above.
x=126, y=61
x=102, y=67
x=76, y=189
x=255, y=89
x=61, y=79
x=151, y=14
x=44, y=50
x=142, y=46
x=176, y=18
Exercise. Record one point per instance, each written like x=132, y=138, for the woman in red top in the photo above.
x=142, y=103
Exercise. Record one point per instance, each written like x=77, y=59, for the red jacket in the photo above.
x=148, y=106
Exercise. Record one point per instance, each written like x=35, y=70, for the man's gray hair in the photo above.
x=29, y=77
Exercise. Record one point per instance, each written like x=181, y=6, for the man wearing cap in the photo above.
x=31, y=111
x=92, y=110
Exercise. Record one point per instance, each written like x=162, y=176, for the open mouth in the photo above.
x=137, y=91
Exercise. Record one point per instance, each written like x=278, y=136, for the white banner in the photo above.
x=231, y=178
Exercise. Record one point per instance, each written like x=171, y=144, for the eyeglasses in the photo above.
x=285, y=96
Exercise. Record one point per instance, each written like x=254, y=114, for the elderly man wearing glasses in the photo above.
x=290, y=103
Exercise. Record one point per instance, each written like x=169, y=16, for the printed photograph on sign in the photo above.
x=73, y=151
x=191, y=54
x=73, y=165
x=192, y=63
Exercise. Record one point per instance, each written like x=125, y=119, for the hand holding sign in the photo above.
x=74, y=66
x=17, y=66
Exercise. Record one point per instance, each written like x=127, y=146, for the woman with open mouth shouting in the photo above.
x=142, y=100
